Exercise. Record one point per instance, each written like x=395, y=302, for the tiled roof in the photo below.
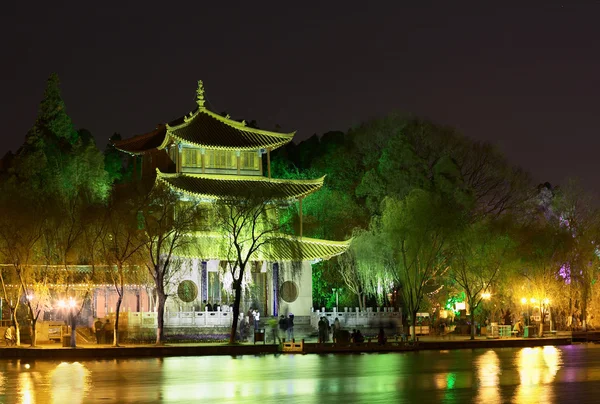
x=281, y=247
x=141, y=143
x=204, y=128
x=207, y=129
x=290, y=249
x=225, y=186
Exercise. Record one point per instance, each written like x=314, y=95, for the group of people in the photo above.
x=357, y=337
x=286, y=326
x=325, y=329
x=103, y=331
x=251, y=319
x=208, y=306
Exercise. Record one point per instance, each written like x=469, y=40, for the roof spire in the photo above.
x=200, y=94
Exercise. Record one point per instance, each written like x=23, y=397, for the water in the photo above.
x=529, y=375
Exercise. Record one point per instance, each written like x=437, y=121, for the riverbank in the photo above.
x=91, y=352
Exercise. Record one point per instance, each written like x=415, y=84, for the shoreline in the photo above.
x=152, y=351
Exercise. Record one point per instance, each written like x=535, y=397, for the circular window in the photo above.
x=289, y=291
x=187, y=291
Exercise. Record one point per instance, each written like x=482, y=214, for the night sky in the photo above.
x=526, y=78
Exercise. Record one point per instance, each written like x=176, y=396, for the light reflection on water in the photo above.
x=528, y=375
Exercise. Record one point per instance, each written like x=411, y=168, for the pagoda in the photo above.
x=208, y=157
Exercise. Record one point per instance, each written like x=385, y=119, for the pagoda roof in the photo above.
x=204, y=128
x=214, y=186
x=281, y=247
x=141, y=143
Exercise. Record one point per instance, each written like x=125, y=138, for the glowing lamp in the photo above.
x=532, y=300
x=62, y=304
x=523, y=300
x=486, y=295
x=546, y=301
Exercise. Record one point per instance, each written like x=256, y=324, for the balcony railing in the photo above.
x=381, y=317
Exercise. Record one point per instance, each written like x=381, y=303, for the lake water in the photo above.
x=524, y=375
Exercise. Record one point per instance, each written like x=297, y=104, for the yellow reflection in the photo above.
x=488, y=376
x=25, y=388
x=440, y=380
x=69, y=383
x=537, y=369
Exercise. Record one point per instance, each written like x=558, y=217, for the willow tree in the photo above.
x=478, y=253
x=417, y=231
x=364, y=267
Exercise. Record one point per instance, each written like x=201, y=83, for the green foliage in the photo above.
x=324, y=279
x=52, y=121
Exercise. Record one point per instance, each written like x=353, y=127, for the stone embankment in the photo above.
x=92, y=352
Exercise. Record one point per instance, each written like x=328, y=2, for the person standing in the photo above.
x=107, y=331
x=290, y=329
x=321, y=327
x=256, y=320
x=98, y=326
x=242, y=327
x=283, y=324
x=336, y=328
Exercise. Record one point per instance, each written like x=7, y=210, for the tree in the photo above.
x=121, y=243
x=478, y=253
x=544, y=247
x=349, y=270
x=20, y=233
x=370, y=269
x=249, y=223
x=167, y=222
x=579, y=216
x=416, y=230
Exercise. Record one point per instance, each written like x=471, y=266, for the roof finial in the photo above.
x=200, y=94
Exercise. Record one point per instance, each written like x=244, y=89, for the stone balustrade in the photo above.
x=385, y=316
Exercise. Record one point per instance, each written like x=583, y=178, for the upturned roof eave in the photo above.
x=163, y=177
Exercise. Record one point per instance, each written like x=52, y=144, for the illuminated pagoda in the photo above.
x=208, y=157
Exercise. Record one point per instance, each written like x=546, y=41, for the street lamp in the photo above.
x=486, y=295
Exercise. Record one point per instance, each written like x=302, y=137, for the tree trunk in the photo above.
x=73, y=331
x=413, y=320
x=584, y=313
x=116, y=330
x=16, y=323
x=473, y=326
x=360, y=301
x=33, y=334
x=160, y=315
x=237, y=287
